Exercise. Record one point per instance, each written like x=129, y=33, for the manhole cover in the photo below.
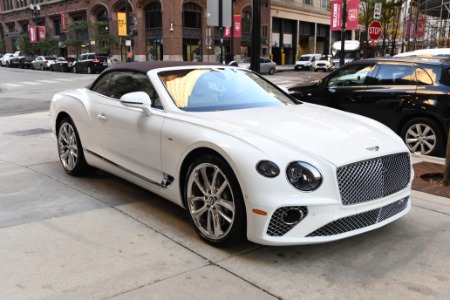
x=29, y=132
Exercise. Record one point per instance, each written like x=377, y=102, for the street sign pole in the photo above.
x=256, y=36
x=344, y=19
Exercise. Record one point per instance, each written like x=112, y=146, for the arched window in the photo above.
x=153, y=16
x=192, y=15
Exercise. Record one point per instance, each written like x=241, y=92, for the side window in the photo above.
x=395, y=75
x=423, y=78
x=121, y=83
x=351, y=75
x=101, y=86
x=117, y=84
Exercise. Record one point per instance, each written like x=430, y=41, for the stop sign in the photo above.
x=375, y=30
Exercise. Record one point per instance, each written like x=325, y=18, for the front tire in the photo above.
x=271, y=71
x=214, y=202
x=423, y=135
x=70, y=149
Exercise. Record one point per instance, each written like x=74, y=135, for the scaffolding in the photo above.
x=426, y=24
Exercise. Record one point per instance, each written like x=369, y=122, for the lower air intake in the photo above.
x=361, y=220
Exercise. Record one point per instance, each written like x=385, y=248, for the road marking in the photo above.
x=11, y=85
x=47, y=81
x=30, y=82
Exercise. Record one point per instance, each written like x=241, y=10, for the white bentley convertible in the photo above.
x=237, y=152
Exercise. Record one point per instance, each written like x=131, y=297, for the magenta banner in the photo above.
x=336, y=15
x=352, y=14
x=42, y=34
x=237, y=28
x=32, y=34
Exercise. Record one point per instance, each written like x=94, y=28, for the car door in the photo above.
x=389, y=91
x=343, y=89
x=130, y=138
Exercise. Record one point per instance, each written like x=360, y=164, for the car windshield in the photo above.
x=304, y=58
x=221, y=89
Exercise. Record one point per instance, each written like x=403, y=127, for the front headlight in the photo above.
x=267, y=169
x=303, y=176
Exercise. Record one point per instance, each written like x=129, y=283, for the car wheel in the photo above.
x=214, y=201
x=70, y=150
x=89, y=70
x=21, y=65
x=424, y=136
x=315, y=70
x=295, y=68
x=74, y=70
x=271, y=71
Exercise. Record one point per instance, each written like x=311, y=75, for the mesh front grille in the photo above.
x=361, y=220
x=277, y=227
x=372, y=179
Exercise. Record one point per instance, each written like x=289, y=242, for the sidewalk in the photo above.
x=100, y=237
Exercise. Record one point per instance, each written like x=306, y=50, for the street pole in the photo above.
x=344, y=19
x=221, y=29
x=256, y=36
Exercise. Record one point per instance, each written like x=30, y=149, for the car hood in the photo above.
x=336, y=136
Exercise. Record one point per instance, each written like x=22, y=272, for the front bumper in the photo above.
x=326, y=223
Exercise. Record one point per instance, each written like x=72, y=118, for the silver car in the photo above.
x=42, y=62
x=265, y=65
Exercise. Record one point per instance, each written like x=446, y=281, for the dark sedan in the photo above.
x=63, y=64
x=411, y=96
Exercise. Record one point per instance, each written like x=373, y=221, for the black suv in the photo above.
x=409, y=95
x=90, y=63
x=21, y=60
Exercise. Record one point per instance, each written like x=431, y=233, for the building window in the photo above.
x=264, y=31
x=192, y=15
x=153, y=16
x=308, y=2
x=324, y=4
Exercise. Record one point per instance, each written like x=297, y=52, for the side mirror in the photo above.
x=139, y=100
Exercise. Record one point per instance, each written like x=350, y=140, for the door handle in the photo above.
x=102, y=117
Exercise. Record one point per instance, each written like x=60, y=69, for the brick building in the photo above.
x=158, y=30
x=169, y=29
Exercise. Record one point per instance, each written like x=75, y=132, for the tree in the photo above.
x=75, y=30
x=48, y=45
x=24, y=44
x=390, y=18
x=104, y=41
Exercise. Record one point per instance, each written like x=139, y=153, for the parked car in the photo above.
x=305, y=61
x=265, y=65
x=408, y=95
x=236, y=152
x=42, y=62
x=5, y=60
x=63, y=64
x=324, y=63
x=21, y=60
x=90, y=63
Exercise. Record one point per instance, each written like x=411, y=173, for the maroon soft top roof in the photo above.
x=145, y=66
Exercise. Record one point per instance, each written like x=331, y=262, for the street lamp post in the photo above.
x=36, y=11
x=344, y=20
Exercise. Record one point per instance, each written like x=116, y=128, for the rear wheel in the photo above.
x=424, y=136
x=271, y=71
x=214, y=201
x=70, y=149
